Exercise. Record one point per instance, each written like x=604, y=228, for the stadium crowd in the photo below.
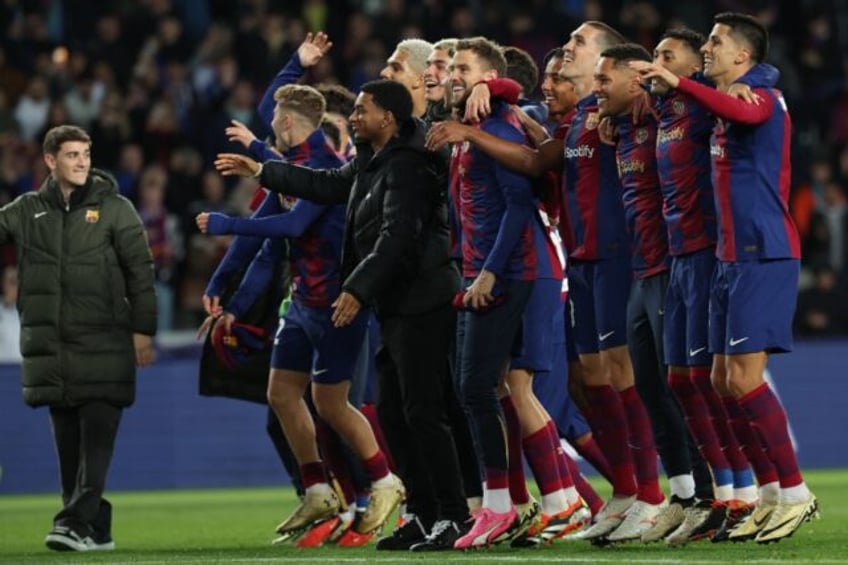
x=429, y=314
x=157, y=81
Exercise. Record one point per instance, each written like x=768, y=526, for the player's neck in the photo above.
x=582, y=87
x=724, y=81
x=382, y=138
x=66, y=188
x=297, y=137
x=419, y=103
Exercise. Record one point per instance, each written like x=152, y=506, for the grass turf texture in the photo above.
x=236, y=526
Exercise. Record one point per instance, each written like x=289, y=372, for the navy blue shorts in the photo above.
x=687, y=305
x=752, y=305
x=307, y=342
x=599, y=291
x=539, y=330
x=551, y=388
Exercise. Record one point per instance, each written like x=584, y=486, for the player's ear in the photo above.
x=50, y=161
x=635, y=83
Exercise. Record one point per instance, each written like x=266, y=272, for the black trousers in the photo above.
x=84, y=437
x=677, y=450
x=414, y=381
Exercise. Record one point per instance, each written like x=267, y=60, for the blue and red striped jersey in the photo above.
x=683, y=165
x=636, y=157
x=316, y=255
x=549, y=250
x=566, y=232
x=495, y=205
x=592, y=189
x=750, y=149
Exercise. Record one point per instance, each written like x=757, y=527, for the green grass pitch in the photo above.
x=236, y=526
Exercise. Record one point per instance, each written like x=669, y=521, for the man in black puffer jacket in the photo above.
x=394, y=258
x=88, y=312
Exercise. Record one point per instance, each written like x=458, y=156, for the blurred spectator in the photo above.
x=184, y=181
x=823, y=308
x=808, y=197
x=129, y=170
x=32, y=109
x=214, y=196
x=8, y=125
x=83, y=101
x=165, y=238
x=10, y=323
x=57, y=115
x=111, y=130
x=12, y=81
x=827, y=243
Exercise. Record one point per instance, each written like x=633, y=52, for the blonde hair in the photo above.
x=417, y=51
x=303, y=100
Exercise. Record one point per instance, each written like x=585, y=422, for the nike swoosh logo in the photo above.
x=39, y=214
x=602, y=337
x=693, y=352
x=763, y=522
x=737, y=341
x=319, y=372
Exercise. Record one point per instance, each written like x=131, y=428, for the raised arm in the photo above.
x=289, y=224
x=728, y=107
x=313, y=48
x=722, y=105
x=328, y=186
x=241, y=251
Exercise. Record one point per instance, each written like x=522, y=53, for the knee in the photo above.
x=331, y=408
x=617, y=367
x=325, y=408
x=276, y=395
x=741, y=380
x=720, y=378
x=520, y=383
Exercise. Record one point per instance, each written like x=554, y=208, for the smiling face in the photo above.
x=558, y=90
x=367, y=119
x=466, y=70
x=722, y=53
x=581, y=52
x=676, y=56
x=615, y=86
x=436, y=75
x=71, y=164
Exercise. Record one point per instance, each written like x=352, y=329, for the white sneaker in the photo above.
x=609, y=518
x=640, y=518
x=669, y=519
x=694, y=518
